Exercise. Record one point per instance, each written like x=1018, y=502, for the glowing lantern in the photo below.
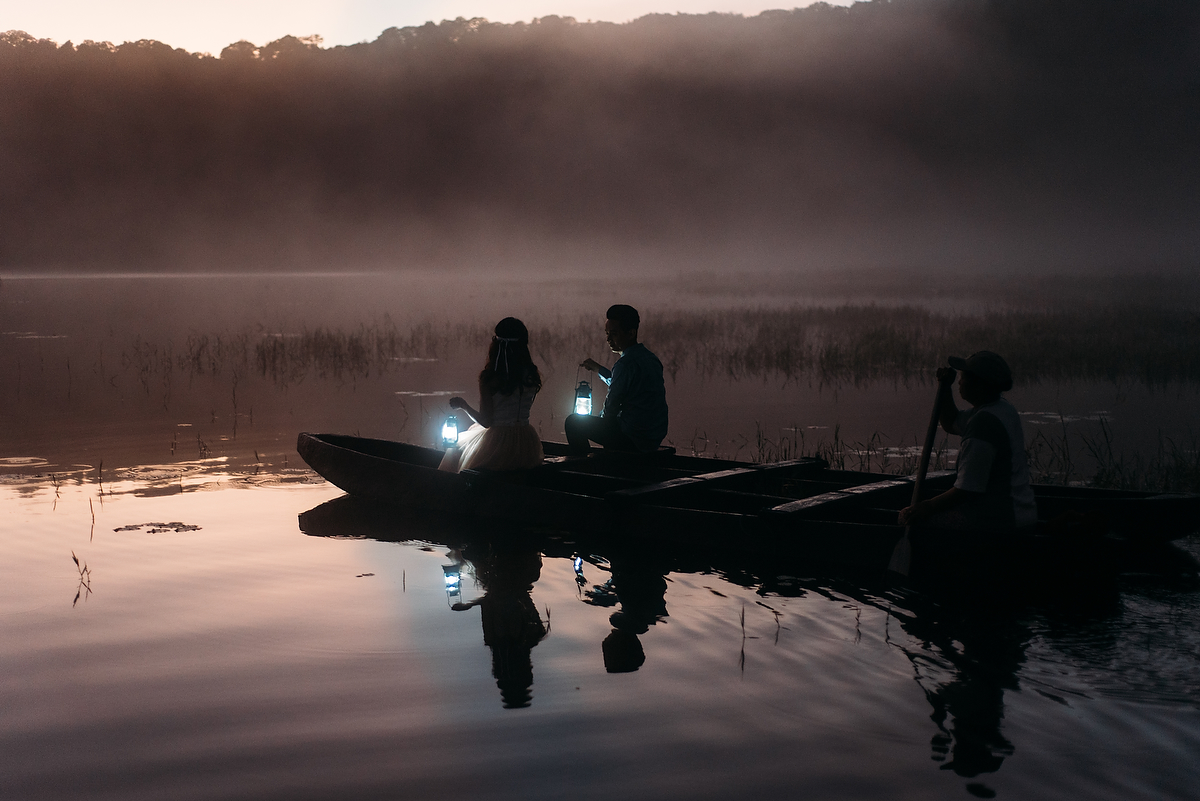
x=450, y=432
x=583, y=398
x=453, y=576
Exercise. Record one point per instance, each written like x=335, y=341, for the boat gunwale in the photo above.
x=1177, y=509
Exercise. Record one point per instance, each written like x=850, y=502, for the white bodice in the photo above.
x=512, y=410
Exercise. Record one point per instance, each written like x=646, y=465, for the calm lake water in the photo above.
x=236, y=628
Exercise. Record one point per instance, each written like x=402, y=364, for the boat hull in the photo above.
x=793, y=508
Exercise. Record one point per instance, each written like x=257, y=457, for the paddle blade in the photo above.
x=901, y=556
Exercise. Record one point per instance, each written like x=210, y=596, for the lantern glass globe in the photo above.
x=583, y=398
x=450, y=432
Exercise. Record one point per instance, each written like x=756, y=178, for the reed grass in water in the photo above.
x=853, y=343
x=873, y=455
x=858, y=344
x=1063, y=457
x=1172, y=467
x=865, y=343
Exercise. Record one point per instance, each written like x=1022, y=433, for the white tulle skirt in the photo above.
x=516, y=447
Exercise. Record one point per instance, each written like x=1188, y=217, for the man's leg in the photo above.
x=576, y=428
x=583, y=429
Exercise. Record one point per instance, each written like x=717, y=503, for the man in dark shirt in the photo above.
x=634, y=417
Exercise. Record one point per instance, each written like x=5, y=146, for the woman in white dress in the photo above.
x=501, y=437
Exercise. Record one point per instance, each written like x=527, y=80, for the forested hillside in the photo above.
x=989, y=132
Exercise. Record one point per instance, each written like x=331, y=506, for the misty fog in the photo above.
x=1039, y=134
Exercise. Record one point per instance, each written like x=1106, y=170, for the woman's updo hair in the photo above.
x=509, y=364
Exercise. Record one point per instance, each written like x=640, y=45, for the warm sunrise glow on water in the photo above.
x=305, y=657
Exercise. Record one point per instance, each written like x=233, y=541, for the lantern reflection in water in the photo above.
x=453, y=576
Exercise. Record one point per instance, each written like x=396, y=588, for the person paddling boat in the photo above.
x=992, y=493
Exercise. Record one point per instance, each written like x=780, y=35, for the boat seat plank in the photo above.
x=583, y=483
x=839, y=498
x=738, y=475
x=815, y=501
x=768, y=501
x=653, y=490
x=645, y=474
x=805, y=464
x=878, y=486
x=728, y=500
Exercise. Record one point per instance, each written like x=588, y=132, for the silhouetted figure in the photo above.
x=637, y=583
x=501, y=437
x=985, y=648
x=991, y=494
x=622, y=652
x=634, y=417
x=511, y=628
x=511, y=623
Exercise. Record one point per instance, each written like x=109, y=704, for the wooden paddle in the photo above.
x=902, y=554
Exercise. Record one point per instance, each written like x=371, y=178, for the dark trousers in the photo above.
x=583, y=429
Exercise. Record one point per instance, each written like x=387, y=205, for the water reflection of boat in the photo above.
x=800, y=506
x=967, y=646
x=506, y=562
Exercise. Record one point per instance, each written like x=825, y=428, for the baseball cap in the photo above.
x=986, y=365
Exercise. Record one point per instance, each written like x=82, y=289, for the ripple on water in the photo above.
x=1147, y=651
x=242, y=637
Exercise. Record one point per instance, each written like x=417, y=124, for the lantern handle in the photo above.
x=461, y=405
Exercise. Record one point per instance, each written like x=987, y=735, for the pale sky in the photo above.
x=210, y=25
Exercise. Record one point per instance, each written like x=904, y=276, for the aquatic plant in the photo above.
x=1171, y=468
x=84, y=589
x=854, y=344
x=862, y=343
x=1092, y=459
x=871, y=455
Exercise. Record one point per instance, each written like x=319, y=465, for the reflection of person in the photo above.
x=984, y=650
x=992, y=492
x=622, y=652
x=638, y=585
x=634, y=417
x=511, y=623
x=501, y=438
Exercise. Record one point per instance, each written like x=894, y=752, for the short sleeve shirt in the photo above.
x=992, y=461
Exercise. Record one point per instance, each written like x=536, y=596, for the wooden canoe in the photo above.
x=565, y=490
x=796, y=506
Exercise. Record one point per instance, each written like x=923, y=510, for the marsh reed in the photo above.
x=1156, y=346
x=1093, y=459
x=870, y=455
x=1064, y=456
x=865, y=343
x=843, y=344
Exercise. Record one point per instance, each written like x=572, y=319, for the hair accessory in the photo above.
x=502, y=349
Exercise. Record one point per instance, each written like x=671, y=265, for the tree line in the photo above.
x=881, y=131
